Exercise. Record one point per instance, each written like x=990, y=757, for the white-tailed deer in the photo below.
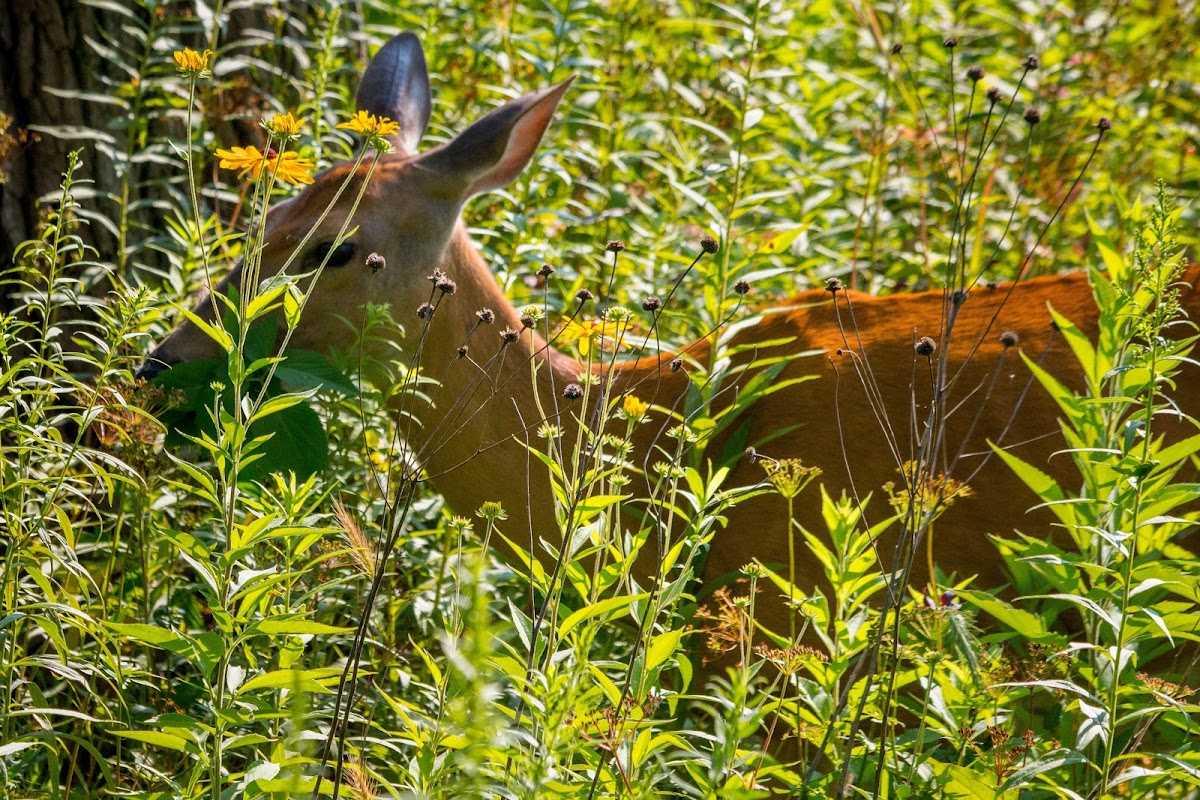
x=411, y=215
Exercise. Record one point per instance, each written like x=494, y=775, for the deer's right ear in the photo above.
x=494, y=150
x=396, y=85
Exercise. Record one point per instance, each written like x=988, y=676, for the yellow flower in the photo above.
x=289, y=167
x=285, y=126
x=634, y=407
x=192, y=63
x=376, y=129
x=588, y=331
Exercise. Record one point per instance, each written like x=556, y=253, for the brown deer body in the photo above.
x=472, y=439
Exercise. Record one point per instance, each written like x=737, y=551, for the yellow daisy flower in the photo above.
x=285, y=125
x=191, y=63
x=376, y=129
x=589, y=331
x=287, y=167
x=634, y=407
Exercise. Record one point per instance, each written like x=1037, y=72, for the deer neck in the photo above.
x=489, y=404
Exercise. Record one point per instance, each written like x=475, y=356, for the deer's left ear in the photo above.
x=396, y=85
x=494, y=150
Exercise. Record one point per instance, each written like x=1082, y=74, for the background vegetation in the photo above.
x=164, y=635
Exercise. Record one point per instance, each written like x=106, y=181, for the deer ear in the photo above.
x=396, y=85
x=494, y=150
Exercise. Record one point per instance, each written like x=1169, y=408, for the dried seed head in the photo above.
x=958, y=297
x=834, y=285
x=994, y=95
x=651, y=304
x=615, y=246
x=742, y=287
x=445, y=285
x=1104, y=124
x=583, y=295
x=573, y=391
x=676, y=364
x=546, y=271
x=508, y=335
x=528, y=320
x=462, y=351
x=486, y=316
x=376, y=262
x=897, y=49
x=950, y=42
x=425, y=311
x=435, y=277
x=1031, y=62
x=1009, y=338
x=975, y=73
x=925, y=346
x=751, y=455
x=1033, y=116
x=709, y=245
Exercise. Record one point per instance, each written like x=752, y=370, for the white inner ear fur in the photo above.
x=523, y=140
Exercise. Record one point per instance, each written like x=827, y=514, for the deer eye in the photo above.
x=338, y=256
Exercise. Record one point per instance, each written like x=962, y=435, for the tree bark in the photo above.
x=49, y=54
x=42, y=46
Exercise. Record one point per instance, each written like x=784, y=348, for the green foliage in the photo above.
x=280, y=607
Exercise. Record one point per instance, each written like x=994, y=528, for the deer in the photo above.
x=411, y=214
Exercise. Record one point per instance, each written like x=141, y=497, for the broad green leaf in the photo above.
x=297, y=443
x=662, y=647
x=303, y=370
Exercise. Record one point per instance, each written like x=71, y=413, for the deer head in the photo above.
x=410, y=212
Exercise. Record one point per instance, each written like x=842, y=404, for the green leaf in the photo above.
x=191, y=376
x=147, y=634
x=208, y=648
x=781, y=241
x=268, y=294
x=295, y=627
x=304, y=370
x=1040, y=483
x=276, y=405
x=296, y=679
x=260, y=340
x=598, y=609
x=222, y=338
x=597, y=503
x=662, y=647
x=158, y=739
x=297, y=443
x=1094, y=368
x=1047, y=763
x=1017, y=619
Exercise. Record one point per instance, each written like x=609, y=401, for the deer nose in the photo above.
x=151, y=368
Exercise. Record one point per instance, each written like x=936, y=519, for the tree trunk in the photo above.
x=43, y=46
x=51, y=54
